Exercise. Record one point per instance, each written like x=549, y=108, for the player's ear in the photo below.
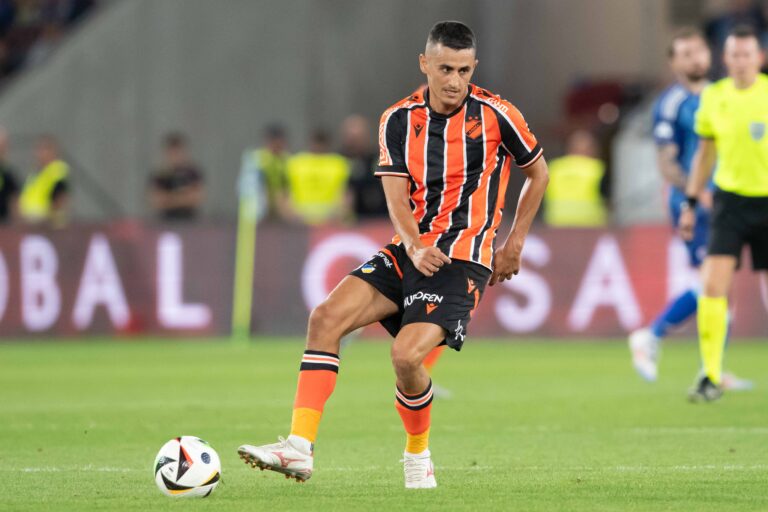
x=423, y=63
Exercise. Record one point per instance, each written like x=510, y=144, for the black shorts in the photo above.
x=737, y=221
x=447, y=299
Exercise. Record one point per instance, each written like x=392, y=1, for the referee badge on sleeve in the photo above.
x=757, y=130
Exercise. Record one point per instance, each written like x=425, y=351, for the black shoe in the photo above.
x=704, y=391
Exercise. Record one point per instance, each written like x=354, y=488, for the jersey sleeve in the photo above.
x=703, y=125
x=663, y=125
x=517, y=137
x=392, y=145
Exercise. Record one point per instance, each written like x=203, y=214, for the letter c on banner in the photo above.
x=315, y=272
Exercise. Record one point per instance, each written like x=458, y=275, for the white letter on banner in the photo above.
x=315, y=272
x=4, y=285
x=40, y=295
x=100, y=284
x=172, y=313
x=515, y=317
x=680, y=275
x=605, y=283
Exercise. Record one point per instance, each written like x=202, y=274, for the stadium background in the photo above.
x=131, y=71
x=100, y=318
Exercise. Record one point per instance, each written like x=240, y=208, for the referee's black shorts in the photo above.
x=738, y=221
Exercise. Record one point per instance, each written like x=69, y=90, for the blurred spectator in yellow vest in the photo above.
x=574, y=197
x=266, y=171
x=317, y=183
x=177, y=188
x=45, y=195
x=9, y=187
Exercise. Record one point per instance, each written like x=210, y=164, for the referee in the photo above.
x=732, y=125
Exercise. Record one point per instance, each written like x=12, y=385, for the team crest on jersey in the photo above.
x=472, y=127
x=757, y=130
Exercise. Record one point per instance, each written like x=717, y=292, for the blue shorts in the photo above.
x=697, y=247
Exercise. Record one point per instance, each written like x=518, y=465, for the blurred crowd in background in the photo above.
x=330, y=180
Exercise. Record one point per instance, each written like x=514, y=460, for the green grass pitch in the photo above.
x=535, y=425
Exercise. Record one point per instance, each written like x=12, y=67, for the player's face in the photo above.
x=743, y=58
x=448, y=74
x=691, y=58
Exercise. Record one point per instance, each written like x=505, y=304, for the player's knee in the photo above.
x=325, y=323
x=405, y=359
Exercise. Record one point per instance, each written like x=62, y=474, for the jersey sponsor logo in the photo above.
x=497, y=104
x=368, y=268
x=431, y=307
x=458, y=333
x=417, y=128
x=387, y=261
x=472, y=126
x=757, y=130
x=422, y=296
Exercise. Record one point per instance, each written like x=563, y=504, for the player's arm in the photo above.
x=701, y=171
x=506, y=261
x=666, y=158
x=426, y=259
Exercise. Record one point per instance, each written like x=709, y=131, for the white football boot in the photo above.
x=282, y=457
x=419, y=471
x=644, y=346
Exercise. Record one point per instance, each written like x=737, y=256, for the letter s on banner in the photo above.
x=40, y=294
x=314, y=275
x=510, y=313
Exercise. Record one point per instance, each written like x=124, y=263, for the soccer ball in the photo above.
x=187, y=466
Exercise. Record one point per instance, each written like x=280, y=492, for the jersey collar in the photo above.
x=438, y=115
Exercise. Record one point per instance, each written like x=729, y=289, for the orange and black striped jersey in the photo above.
x=458, y=165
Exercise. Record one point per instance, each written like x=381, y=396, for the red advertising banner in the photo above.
x=574, y=282
x=130, y=278
x=119, y=278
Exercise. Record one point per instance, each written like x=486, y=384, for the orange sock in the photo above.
x=415, y=411
x=317, y=378
x=433, y=356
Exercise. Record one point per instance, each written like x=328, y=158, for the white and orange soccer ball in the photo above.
x=187, y=466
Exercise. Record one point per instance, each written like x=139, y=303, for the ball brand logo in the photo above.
x=426, y=297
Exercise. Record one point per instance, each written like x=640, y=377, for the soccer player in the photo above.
x=676, y=142
x=673, y=116
x=731, y=123
x=446, y=154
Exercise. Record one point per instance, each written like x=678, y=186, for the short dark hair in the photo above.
x=683, y=34
x=452, y=34
x=744, y=31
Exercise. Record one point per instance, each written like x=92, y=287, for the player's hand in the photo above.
x=506, y=262
x=428, y=260
x=687, y=223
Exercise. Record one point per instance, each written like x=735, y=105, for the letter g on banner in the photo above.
x=314, y=275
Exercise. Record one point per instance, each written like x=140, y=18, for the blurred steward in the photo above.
x=177, y=188
x=317, y=183
x=368, y=199
x=9, y=187
x=45, y=195
x=577, y=185
x=265, y=171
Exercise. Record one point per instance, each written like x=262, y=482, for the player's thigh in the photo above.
x=717, y=274
x=354, y=303
x=415, y=341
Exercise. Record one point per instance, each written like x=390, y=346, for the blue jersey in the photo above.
x=674, y=116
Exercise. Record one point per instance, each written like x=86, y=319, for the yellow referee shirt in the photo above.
x=737, y=120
